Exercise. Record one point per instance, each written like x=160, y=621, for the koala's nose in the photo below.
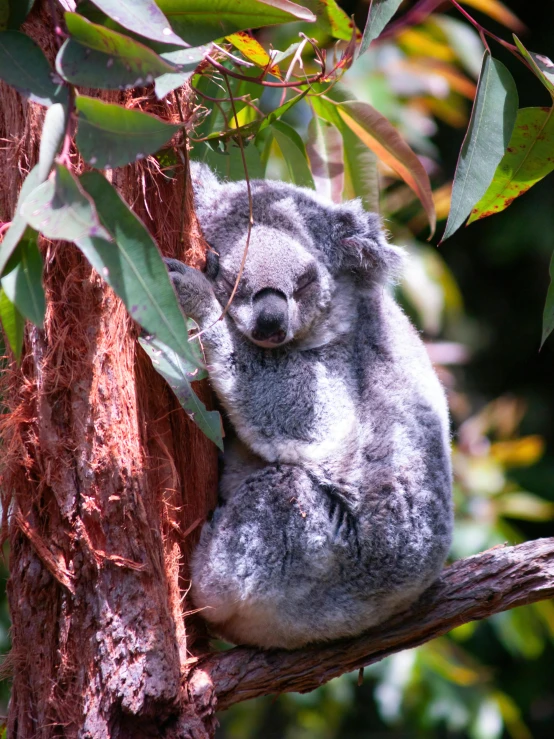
x=270, y=316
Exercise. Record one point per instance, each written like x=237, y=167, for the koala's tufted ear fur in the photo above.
x=205, y=186
x=359, y=244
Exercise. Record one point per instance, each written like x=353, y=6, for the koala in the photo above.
x=335, y=495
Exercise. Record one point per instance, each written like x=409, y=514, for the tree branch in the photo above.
x=470, y=589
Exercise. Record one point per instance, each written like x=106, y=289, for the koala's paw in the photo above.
x=194, y=291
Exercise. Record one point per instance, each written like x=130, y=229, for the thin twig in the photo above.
x=483, y=31
x=259, y=80
x=185, y=163
x=250, y=204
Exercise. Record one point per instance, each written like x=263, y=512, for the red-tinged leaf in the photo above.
x=326, y=154
x=528, y=159
x=498, y=11
x=379, y=135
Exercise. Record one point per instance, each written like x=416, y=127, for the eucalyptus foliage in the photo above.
x=248, y=95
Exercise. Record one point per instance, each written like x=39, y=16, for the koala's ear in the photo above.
x=204, y=184
x=359, y=244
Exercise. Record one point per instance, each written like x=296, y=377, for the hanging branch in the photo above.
x=469, y=590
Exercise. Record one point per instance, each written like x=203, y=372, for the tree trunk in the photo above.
x=105, y=483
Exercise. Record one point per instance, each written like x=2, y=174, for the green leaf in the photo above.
x=24, y=66
x=380, y=13
x=18, y=11
x=326, y=154
x=360, y=163
x=22, y=281
x=199, y=22
x=13, y=324
x=135, y=270
x=18, y=226
x=331, y=19
x=53, y=132
x=488, y=135
x=187, y=60
x=4, y=14
x=527, y=160
x=143, y=17
x=548, y=314
x=294, y=153
x=111, y=136
x=229, y=165
x=178, y=376
x=379, y=135
x=60, y=210
x=95, y=56
x=541, y=65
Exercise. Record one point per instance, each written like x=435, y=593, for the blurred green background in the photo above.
x=478, y=300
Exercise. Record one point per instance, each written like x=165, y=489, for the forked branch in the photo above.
x=469, y=590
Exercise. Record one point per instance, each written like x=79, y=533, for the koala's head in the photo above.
x=304, y=252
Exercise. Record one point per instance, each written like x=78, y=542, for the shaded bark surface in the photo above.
x=105, y=483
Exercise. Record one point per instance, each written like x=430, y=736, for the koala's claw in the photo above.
x=174, y=265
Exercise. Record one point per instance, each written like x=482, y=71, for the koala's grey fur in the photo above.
x=335, y=498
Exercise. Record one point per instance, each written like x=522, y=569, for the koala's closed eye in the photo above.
x=307, y=279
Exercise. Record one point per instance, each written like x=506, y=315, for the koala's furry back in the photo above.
x=336, y=489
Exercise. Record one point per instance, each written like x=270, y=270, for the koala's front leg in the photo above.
x=198, y=301
x=194, y=293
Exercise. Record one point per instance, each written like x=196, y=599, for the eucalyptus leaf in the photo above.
x=19, y=10
x=60, y=209
x=18, y=226
x=380, y=13
x=360, y=163
x=294, y=153
x=228, y=165
x=135, y=270
x=379, y=135
x=22, y=281
x=13, y=324
x=541, y=65
x=111, y=136
x=331, y=19
x=53, y=132
x=24, y=66
x=144, y=17
x=95, y=56
x=527, y=160
x=4, y=14
x=199, y=22
x=488, y=135
x=326, y=154
x=177, y=374
x=187, y=60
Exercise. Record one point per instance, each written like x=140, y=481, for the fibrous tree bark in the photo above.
x=105, y=482
x=105, y=486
